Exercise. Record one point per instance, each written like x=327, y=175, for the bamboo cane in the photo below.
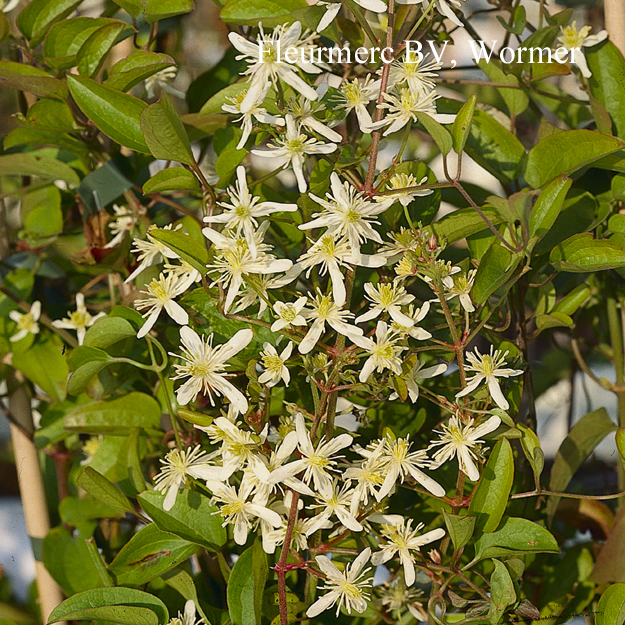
x=615, y=22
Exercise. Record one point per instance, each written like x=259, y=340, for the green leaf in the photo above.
x=33, y=80
x=462, y=124
x=463, y=223
x=128, y=469
x=514, y=536
x=607, y=82
x=228, y=161
x=107, y=331
x=149, y=554
x=118, y=416
x=460, y=528
x=71, y=562
x=438, y=132
x=49, y=114
x=44, y=365
x=620, y=443
x=611, y=606
x=171, y=179
x=115, y=113
x=117, y=605
x=164, y=132
x=185, y=246
x=94, y=51
x=136, y=67
x=183, y=583
x=28, y=164
x=553, y=320
x=41, y=212
x=250, y=12
x=247, y=585
x=516, y=98
x=565, y=153
x=573, y=300
x=37, y=17
x=582, y=253
x=134, y=7
x=85, y=362
x=74, y=511
x=584, y=436
x=502, y=592
x=491, y=496
x=532, y=450
x=103, y=490
x=5, y=27
x=66, y=38
x=493, y=272
x=192, y=517
x=154, y=10
x=548, y=206
x=106, y=184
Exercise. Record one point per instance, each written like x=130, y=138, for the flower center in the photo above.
x=26, y=322
x=273, y=363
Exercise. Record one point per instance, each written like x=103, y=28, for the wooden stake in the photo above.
x=615, y=22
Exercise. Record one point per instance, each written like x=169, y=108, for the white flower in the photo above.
x=303, y=113
x=406, y=108
x=334, y=501
x=396, y=596
x=11, y=4
x=185, y=273
x=266, y=68
x=256, y=290
x=416, y=74
x=399, y=461
x=401, y=540
x=388, y=298
x=368, y=474
x=26, y=322
x=151, y=252
x=315, y=461
x=162, y=79
x=288, y=314
x=404, y=195
x=238, y=447
x=332, y=11
x=256, y=111
x=442, y=6
x=189, y=616
x=355, y=96
x=458, y=440
x=275, y=369
x=324, y=310
x=238, y=511
x=415, y=315
x=241, y=214
x=235, y=260
x=177, y=465
x=384, y=353
x=347, y=214
x=160, y=294
x=419, y=373
x=293, y=147
x=463, y=283
x=79, y=320
x=126, y=220
x=487, y=368
x=346, y=587
x=205, y=364
x=573, y=38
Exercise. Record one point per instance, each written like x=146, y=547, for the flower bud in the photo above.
x=432, y=243
x=435, y=556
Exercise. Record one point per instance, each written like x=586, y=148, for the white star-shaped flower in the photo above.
x=458, y=440
x=487, y=368
x=384, y=353
x=387, y=298
x=572, y=38
x=273, y=364
x=79, y=320
x=288, y=314
x=26, y=322
x=205, y=365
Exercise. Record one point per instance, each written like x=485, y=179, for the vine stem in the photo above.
x=375, y=142
x=550, y=493
x=281, y=567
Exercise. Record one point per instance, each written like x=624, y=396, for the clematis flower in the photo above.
x=79, y=320
x=400, y=183
x=334, y=501
x=151, y=252
x=265, y=68
x=125, y=220
x=160, y=294
x=188, y=618
x=348, y=214
x=401, y=539
x=458, y=440
x=418, y=372
x=416, y=74
x=205, y=366
x=406, y=106
x=243, y=211
x=303, y=111
x=572, y=38
x=444, y=7
x=463, y=283
x=355, y=95
x=255, y=111
x=7, y=7
x=26, y=322
x=346, y=587
x=273, y=364
x=384, y=353
x=387, y=297
x=177, y=465
x=487, y=368
x=294, y=147
x=288, y=314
